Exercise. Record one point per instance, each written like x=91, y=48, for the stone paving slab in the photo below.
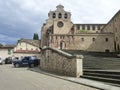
x=87, y=82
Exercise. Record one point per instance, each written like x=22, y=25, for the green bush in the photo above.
x=83, y=31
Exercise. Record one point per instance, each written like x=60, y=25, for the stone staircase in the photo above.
x=108, y=76
x=104, y=67
x=101, y=63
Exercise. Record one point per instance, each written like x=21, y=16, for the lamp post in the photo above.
x=48, y=36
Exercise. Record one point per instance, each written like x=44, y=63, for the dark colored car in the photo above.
x=8, y=60
x=27, y=61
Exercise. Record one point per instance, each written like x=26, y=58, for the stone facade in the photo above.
x=86, y=42
x=113, y=26
x=59, y=32
x=59, y=62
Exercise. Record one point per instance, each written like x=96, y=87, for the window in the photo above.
x=78, y=27
x=82, y=39
x=60, y=37
x=116, y=29
x=93, y=27
x=98, y=27
x=54, y=15
x=93, y=39
x=116, y=38
x=65, y=16
x=107, y=50
x=56, y=37
x=59, y=15
x=88, y=27
x=106, y=39
x=83, y=27
x=9, y=51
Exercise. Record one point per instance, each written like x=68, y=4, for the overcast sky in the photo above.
x=23, y=18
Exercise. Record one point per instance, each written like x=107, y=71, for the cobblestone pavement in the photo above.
x=23, y=79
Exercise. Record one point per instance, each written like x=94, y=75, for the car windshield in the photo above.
x=33, y=58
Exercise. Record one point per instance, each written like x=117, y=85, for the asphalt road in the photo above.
x=23, y=79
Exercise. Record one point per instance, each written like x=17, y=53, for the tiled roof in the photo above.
x=26, y=51
x=32, y=42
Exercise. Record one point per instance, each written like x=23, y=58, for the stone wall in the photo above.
x=62, y=63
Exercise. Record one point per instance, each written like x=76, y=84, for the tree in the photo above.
x=35, y=37
x=1, y=45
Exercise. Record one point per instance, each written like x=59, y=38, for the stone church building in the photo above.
x=59, y=32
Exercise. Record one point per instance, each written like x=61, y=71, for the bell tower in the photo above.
x=58, y=23
x=61, y=20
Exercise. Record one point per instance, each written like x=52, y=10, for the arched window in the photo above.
x=82, y=39
x=88, y=27
x=106, y=39
x=93, y=39
x=65, y=16
x=59, y=15
x=54, y=15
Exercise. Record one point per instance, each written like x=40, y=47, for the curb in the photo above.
x=86, y=82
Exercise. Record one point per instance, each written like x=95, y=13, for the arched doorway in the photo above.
x=62, y=45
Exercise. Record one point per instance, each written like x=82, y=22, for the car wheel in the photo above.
x=32, y=65
x=16, y=65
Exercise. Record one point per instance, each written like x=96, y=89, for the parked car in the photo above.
x=27, y=61
x=1, y=61
x=15, y=58
x=8, y=60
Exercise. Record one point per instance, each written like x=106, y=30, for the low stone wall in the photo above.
x=59, y=62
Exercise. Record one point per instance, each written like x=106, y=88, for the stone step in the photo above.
x=113, y=72
x=101, y=62
x=113, y=76
x=107, y=80
x=108, y=76
x=89, y=67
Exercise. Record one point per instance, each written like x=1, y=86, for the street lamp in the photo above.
x=47, y=35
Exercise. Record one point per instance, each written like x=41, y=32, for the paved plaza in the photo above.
x=23, y=79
